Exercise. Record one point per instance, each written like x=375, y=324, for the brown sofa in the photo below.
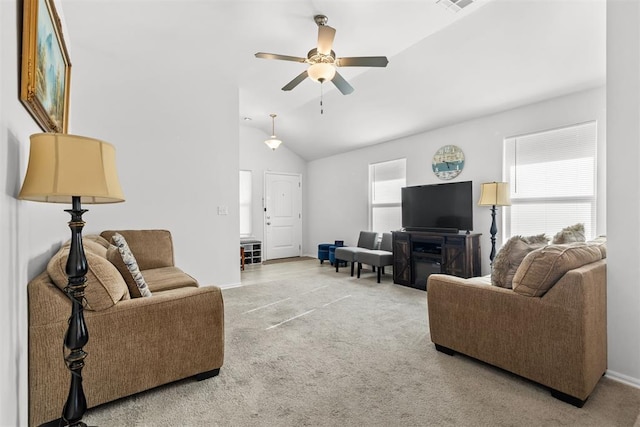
x=134, y=343
x=558, y=339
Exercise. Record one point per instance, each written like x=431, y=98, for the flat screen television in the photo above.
x=438, y=207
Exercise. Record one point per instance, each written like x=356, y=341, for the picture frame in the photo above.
x=46, y=68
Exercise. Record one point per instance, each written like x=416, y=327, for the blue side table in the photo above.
x=323, y=252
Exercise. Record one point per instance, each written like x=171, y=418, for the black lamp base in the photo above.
x=493, y=230
x=77, y=335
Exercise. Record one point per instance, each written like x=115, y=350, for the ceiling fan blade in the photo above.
x=281, y=57
x=363, y=61
x=342, y=85
x=295, y=82
x=326, y=35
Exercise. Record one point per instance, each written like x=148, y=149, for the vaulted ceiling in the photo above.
x=444, y=67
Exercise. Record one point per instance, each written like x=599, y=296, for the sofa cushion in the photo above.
x=542, y=268
x=165, y=278
x=105, y=285
x=120, y=255
x=98, y=239
x=511, y=255
x=90, y=245
x=600, y=242
x=152, y=248
x=573, y=233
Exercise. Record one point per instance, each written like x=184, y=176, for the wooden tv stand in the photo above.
x=417, y=254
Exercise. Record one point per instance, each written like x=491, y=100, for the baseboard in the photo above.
x=624, y=379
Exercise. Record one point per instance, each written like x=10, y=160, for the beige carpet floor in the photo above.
x=306, y=346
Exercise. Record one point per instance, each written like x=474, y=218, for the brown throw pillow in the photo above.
x=542, y=268
x=574, y=233
x=511, y=255
x=105, y=285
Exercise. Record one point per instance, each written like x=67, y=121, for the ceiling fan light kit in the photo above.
x=321, y=72
x=323, y=62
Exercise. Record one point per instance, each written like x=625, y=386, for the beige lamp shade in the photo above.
x=62, y=166
x=494, y=194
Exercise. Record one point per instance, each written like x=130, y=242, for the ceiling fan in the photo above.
x=323, y=62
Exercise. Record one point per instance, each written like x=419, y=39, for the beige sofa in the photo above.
x=558, y=339
x=134, y=343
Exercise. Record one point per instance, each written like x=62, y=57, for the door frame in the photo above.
x=265, y=245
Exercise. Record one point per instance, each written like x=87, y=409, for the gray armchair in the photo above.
x=377, y=258
x=367, y=240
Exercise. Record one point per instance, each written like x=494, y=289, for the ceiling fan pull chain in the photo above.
x=321, y=93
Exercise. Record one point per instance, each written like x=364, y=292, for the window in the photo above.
x=552, y=180
x=245, y=204
x=385, y=181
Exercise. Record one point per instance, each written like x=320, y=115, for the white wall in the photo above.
x=338, y=184
x=258, y=158
x=177, y=154
x=21, y=252
x=176, y=165
x=623, y=189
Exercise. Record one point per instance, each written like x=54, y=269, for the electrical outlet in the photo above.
x=223, y=210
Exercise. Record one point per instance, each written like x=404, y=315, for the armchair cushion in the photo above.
x=600, y=242
x=152, y=248
x=165, y=278
x=96, y=238
x=90, y=245
x=105, y=285
x=542, y=268
x=368, y=239
x=511, y=255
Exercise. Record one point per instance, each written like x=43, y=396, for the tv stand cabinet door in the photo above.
x=461, y=256
x=402, y=258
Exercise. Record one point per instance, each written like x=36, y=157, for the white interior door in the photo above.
x=282, y=215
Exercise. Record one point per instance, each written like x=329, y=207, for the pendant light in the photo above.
x=273, y=142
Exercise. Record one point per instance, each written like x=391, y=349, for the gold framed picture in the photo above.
x=46, y=69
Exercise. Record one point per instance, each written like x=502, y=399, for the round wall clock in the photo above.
x=448, y=162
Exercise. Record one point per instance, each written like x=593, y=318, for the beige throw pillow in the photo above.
x=511, y=255
x=90, y=245
x=573, y=233
x=542, y=268
x=105, y=285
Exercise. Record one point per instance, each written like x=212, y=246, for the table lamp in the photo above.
x=72, y=169
x=494, y=194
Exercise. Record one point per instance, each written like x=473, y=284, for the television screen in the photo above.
x=445, y=207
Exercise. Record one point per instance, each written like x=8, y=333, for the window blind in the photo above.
x=552, y=180
x=386, y=180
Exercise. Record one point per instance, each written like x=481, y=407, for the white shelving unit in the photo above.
x=252, y=251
